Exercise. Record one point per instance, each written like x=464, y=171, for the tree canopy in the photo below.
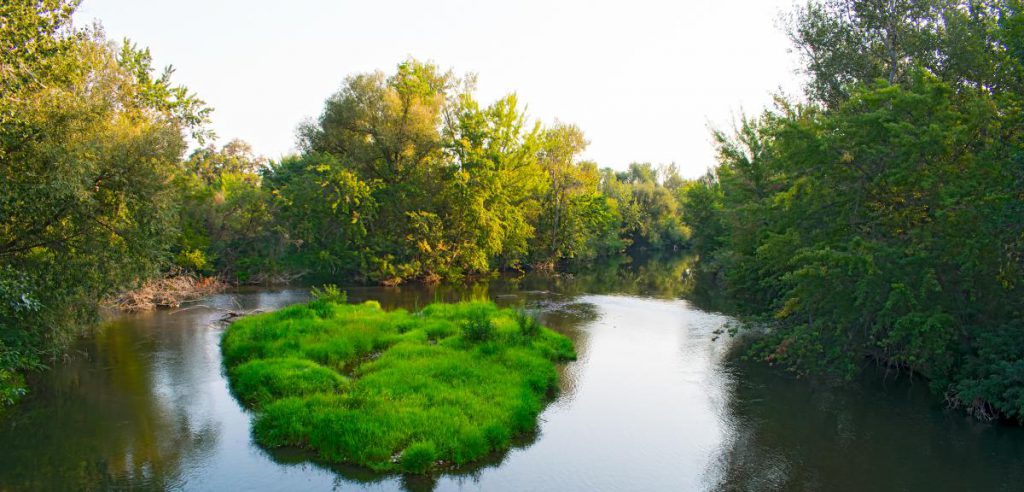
x=88, y=140
x=884, y=218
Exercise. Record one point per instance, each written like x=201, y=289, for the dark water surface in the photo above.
x=653, y=403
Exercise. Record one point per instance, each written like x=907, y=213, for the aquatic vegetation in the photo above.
x=393, y=390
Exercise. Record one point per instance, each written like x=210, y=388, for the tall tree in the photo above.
x=884, y=219
x=388, y=131
x=845, y=42
x=88, y=141
x=488, y=198
x=574, y=209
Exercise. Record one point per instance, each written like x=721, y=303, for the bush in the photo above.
x=478, y=327
x=529, y=325
x=990, y=383
x=12, y=387
x=329, y=293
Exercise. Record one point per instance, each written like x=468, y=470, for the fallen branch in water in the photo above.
x=231, y=316
x=167, y=292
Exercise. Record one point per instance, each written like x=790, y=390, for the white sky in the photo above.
x=644, y=79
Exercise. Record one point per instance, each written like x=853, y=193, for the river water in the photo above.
x=658, y=400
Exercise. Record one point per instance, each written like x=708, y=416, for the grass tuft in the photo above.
x=419, y=457
x=529, y=325
x=261, y=381
x=478, y=326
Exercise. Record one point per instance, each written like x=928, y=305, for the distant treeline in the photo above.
x=883, y=217
x=406, y=177
x=403, y=177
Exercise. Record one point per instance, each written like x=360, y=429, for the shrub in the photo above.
x=324, y=300
x=12, y=387
x=529, y=325
x=478, y=327
x=329, y=293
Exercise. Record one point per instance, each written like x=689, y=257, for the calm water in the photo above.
x=653, y=403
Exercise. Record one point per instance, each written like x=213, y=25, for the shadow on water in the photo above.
x=880, y=432
x=414, y=483
x=111, y=417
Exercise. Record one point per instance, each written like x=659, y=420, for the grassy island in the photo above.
x=393, y=390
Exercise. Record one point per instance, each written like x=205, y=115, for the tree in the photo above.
x=235, y=157
x=224, y=217
x=488, y=198
x=648, y=208
x=87, y=143
x=846, y=42
x=321, y=209
x=883, y=219
x=388, y=132
x=574, y=209
x=35, y=40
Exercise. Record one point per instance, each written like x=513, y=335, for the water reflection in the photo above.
x=109, y=418
x=877, y=434
x=652, y=403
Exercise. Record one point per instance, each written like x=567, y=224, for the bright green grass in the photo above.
x=393, y=391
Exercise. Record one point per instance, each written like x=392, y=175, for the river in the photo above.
x=658, y=400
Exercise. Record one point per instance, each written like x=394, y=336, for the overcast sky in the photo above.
x=644, y=79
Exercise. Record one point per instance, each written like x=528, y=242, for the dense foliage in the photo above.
x=393, y=390
x=406, y=177
x=88, y=140
x=884, y=218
